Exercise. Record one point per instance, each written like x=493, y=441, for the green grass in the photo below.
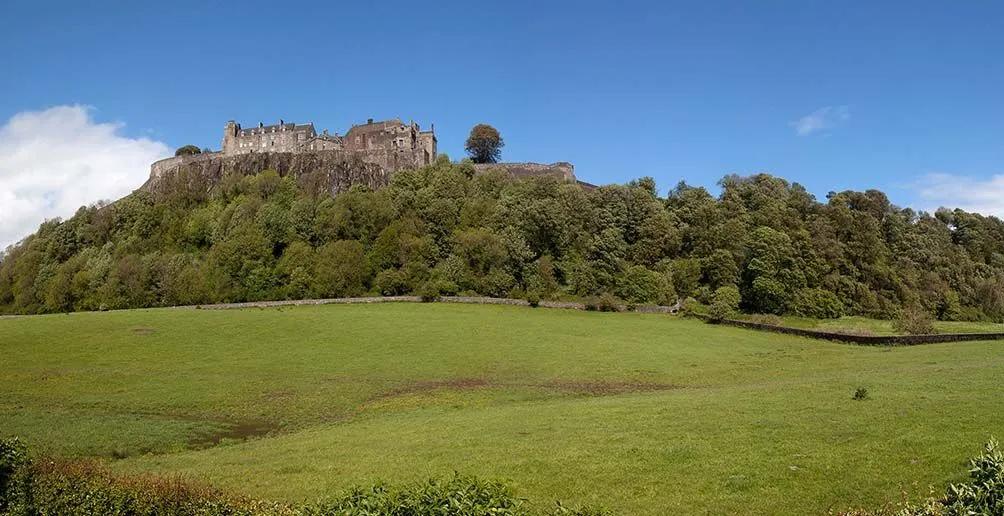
x=646, y=414
x=884, y=327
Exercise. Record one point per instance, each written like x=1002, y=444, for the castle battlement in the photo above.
x=408, y=143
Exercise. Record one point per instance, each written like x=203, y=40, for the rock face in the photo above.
x=332, y=171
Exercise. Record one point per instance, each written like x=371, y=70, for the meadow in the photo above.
x=644, y=414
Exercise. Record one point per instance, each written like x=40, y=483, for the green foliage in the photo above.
x=533, y=298
x=13, y=458
x=391, y=282
x=860, y=394
x=188, y=150
x=983, y=494
x=724, y=304
x=817, y=303
x=643, y=286
x=914, y=321
x=267, y=236
x=83, y=488
x=484, y=144
x=608, y=303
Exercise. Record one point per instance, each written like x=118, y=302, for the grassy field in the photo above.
x=884, y=327
x=645, y=414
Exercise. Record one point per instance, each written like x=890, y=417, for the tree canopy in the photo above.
x=188, y=150
x=268, y=237
x=484, y=145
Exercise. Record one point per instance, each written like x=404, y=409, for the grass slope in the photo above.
x=646, y=414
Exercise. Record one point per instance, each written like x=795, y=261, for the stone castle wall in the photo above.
x=561, y=170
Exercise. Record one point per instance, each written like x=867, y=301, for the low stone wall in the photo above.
x=865, y=340
x=565, y=305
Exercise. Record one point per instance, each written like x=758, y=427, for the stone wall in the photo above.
x=561, y=170
x=866, y=340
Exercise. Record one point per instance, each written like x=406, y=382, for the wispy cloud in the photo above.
x=983, y=196
x=821, y=119
x=55, y=160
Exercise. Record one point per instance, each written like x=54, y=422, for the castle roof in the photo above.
x=308, y=127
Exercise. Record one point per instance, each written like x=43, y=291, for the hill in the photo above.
x=445, y=229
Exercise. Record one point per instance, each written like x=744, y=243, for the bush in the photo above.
x=914, y=321
x=533, y=298
x=860, y=394
x=643, y=286
x=817, y=304
x=430, y=292
x=59, y=487
x=691, y=307
x=13, y=457
x=608, y=303
x=768, y=319
x=983, y=494
x=391, y=282
x=724, y=304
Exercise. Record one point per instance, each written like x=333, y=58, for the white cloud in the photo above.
x=821, y=119
x=983, y=196
x=56, y=160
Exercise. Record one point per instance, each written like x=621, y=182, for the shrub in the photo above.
x=914, y=321
x=983, y=494
x=391, y=282
x=768, y=319
x=533, y=298
x=641, y=285
x=724, y=304
x=817, y=303
x=691, y=307
x=608, y=303
x=430, y=292
x=60, y=487
x=860, y=394
x=13, y=457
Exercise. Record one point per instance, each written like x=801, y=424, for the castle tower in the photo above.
x=230, y=132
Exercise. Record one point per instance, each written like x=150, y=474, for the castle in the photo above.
x=368, y=154
x=390, y=142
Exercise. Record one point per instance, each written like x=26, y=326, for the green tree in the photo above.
x=484, y=144
x=188, y=150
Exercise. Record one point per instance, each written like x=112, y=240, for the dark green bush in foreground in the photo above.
x=44, y=487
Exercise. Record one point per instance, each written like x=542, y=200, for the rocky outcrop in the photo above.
x=332, y=171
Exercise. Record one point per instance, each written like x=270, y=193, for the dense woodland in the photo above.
x=445, y=230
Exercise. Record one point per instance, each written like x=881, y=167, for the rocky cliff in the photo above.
x=333, y=171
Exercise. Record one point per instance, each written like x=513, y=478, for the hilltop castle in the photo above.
x=368, y=154
x=390, y=143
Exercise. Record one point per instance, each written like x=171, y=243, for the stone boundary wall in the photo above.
x=864, y=340
x=566, y=305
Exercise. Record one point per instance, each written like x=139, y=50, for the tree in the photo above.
x=484, y=144
x=188, y=150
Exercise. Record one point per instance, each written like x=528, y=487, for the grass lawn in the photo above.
x=884, y=327
x=645, y=414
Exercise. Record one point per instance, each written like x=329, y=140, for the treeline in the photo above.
x=444, y=230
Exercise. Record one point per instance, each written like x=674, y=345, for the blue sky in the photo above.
x=904, y=96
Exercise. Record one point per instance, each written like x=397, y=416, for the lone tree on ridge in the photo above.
x=187, y=150
x=484, y=145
